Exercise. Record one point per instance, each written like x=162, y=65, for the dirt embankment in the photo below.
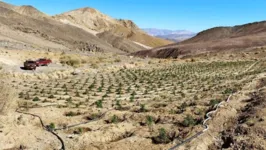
x=248, y=131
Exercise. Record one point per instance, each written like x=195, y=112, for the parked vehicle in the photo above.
x=30, y=65
x=43, y=62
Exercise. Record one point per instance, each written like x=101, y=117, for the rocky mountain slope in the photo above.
x=16, y=26
x=94, y=21
x=26, y=27
x=30, y=11
x=214, y=40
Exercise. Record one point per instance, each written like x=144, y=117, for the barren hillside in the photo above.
x=96, y=22
x=213, y=40
x=14, y=24
x=119, y=42
x=45, y=32
x=30, y=11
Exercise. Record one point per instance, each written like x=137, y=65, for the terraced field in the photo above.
x=158, y=104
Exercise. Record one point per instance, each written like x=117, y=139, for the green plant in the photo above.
x=51, y=126
x=142, y=108
x=162, y=138
x=214, y=102
x=35, y=99
x=131, y=98
x=80, y=130
x=149, y=120
x=114, y=119
x=118, y=105
x=99, y=104
x=189, y=121
x=100, y=89
x=229, y=91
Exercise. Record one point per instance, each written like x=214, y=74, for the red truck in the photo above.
x=43, y=62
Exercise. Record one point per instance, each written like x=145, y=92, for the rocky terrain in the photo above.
x=72, y=33
x=96, y=22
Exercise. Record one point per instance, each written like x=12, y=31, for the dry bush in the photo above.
x=71, y=60
x=7, y=99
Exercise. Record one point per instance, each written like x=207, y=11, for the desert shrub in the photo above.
x=71, y=114
x=51, y=96
x=162, y=138
x=71, y=60
x=35, y=99
x=131, y=98
x=189, y=121
x=117, y=60
x=229, y=91
x=118, y=105
x=77, y=94
x=99, y=104
x=142, y=108
x=51, y=126
x=80, y=131
x=69, y=99
x=197, y=111
x=7, y=98
x=100, y=89
x=149, y=120
x=114, y=119
x=21, y=95
x=27, y=96
x=214, y=102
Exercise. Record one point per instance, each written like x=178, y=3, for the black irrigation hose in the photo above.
x=60, y=139
x=187, y=140
x=44, y=127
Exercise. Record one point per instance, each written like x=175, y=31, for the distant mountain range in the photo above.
x=237, y=38
x=173, y=35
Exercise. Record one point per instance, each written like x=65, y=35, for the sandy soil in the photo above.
x=120, y=122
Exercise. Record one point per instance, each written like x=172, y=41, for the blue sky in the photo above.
x=193, y=15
